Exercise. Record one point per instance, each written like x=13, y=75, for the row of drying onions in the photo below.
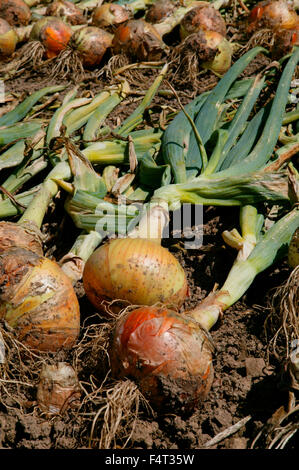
x=111, y=27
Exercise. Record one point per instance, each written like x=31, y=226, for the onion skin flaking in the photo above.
x=26, y=236
x=202, y=17
x=67, y=11
x=53, y=33
x=109, y=14
x=37, y=300
x=139, y=40
x=8, y=39
x=15, y=12
x=136, y=271
x=168, y=355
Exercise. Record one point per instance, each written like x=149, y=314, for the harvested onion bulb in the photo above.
x=272, y=14
x=169, y=356
x=15, y=12
x=67, y=11
x=53, y=33
x=138, y=40
x=8, y=39
x=136, y=271
x=90, y=43
x=37, y=300
x=159, y=11
x=202, y=17
x=109, y=14
x=210, y=49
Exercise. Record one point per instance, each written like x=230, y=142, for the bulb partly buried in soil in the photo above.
x=58, y=389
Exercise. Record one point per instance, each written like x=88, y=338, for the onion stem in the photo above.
x=243, y=272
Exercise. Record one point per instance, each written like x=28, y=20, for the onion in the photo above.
x=26, y=236
x=284, y=41
x=37, y=300
x=159, y=10
x=67, y=11
x=138, y=40
x=58, y=389
x=90, y=43
x=15, y=12
x=138, y=271
x=8, y=39
x=169, y=355
x=109, y=14
x=210, y=49
x=202, y=17
x=272, y=15
x=53, y=33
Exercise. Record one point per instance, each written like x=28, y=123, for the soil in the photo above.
x=249, y=380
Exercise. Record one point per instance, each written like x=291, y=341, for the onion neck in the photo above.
x=153, y=222
x=243, y=272
x=37, y=208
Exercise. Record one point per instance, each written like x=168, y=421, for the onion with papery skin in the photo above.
x=168, y=355
x=202, y=17
x=109, y=14
x=67, y=11
x=272, y=15
x=26, y=236
x=211, y=50
x=15, y=12
x=8, y=39
x=38, y=300
x=284, y=40
x=53, y=33
x=90, y=43
x=159, y=11
x=58, y=389
x=136, y=271
x=139, y=40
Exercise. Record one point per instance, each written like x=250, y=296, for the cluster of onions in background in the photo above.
x=62, y=25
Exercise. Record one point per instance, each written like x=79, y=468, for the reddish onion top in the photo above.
x=67, y=11
x=272, y=14
x=202, y=17
x=53, y=33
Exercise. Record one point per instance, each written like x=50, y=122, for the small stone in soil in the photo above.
x=255, y=366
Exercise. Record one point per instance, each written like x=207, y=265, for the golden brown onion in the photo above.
x=109, y=14
x=91, y=43
x=37, y=300
x=139, y=40
x=67, y=11
x=168, y=355
x=8, y=39
x=53, y=33
x=272, y=14
x=15, y=12
x=202, y=17
x=138, y=271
